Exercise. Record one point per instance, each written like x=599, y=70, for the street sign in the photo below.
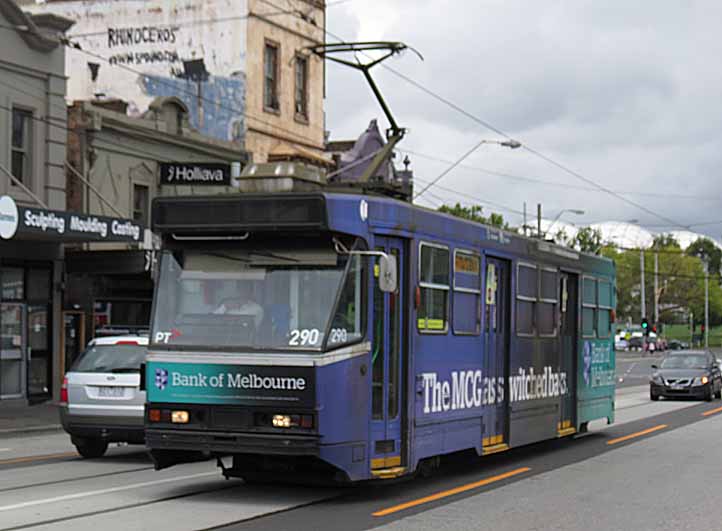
x=195, y=174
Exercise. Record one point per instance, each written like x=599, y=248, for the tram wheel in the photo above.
x=427, y=467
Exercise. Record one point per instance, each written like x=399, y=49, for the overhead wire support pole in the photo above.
x=95, y=190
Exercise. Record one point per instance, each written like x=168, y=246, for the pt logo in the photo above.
x=161, y=378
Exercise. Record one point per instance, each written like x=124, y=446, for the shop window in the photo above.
x=270, y=78
x=434, y=287
x=21, y=149
x=140, y=204
x=12, y=284
x=39, y=282
x=467, y=293
x=301, y=92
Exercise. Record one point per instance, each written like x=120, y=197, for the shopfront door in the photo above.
x=13, y=351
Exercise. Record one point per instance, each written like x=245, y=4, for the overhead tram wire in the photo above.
x=428, y=91
x=531, y=150
x=67, y=42
x=485, y=171
x=555, y=183
x=203, y=22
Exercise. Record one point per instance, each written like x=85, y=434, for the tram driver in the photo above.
x=241, y=303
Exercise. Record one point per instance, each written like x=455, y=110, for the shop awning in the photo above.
x=28, y=223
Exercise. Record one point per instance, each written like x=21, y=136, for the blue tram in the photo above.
x=355, y=336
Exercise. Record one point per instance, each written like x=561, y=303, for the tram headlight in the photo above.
x=287, y=421
x=281, y=421
x=179, y=417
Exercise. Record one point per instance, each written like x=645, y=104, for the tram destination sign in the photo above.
x=213, y=383
x=195, y=174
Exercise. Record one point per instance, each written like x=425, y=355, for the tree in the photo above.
x=586, y=240
x=705, y=249
x=475, y=213
x=681, y=283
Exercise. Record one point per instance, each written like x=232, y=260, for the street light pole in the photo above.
x=511, y=144
x=706, y=304
x=576, y=211
x=656, y=288
x=641, y=274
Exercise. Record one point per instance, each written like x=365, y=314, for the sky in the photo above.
x=625, y=94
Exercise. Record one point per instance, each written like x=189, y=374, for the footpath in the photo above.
x=28, y=418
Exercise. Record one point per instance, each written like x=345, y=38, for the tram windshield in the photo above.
x=260, y=298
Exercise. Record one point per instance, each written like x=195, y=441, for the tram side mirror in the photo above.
x=388, y=274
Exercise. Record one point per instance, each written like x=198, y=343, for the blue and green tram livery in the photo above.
x=359, y=337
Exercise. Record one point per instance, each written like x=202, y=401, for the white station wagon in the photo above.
x=101, y=401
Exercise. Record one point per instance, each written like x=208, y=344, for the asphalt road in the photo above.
x=659, y=479
x=634, y=368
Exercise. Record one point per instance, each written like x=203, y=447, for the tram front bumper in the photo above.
x=231, y=443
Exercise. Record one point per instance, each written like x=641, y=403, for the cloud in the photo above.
x=625, y=93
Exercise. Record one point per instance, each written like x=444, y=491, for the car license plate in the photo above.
x=111, y=392
x=678, y=386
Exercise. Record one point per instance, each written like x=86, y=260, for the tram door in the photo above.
x=387, y=364
x=568, y=317
x=496, y=363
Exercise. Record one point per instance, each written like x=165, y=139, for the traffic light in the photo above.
x=645, y=326
x=702, y=328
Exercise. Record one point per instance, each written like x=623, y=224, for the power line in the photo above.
x=474, y=198
x=498, y=131
x=559, y=184
x=300, y=140
x=450, y=168
x=203, y=22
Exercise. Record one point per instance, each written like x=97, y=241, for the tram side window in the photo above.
x=467, y=293
x=434, y=287
x=604, y=321
x=527, y=288
x=589, y=304
x=548, y=301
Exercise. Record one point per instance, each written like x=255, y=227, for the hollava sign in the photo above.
x=195, y=174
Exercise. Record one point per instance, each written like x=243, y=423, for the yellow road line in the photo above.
x=712, y=412
x=637, y=434
x=450, y=492
x=31, y=458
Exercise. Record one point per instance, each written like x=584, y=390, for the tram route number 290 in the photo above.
x=312, y=336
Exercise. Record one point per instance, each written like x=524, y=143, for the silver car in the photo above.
x=100, y=398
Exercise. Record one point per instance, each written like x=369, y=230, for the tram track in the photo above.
x=110, y=511
x=69, y=480
x=197, y=498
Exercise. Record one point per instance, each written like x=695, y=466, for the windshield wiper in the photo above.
x=125, y=369
x=272, y=255
x=228, y=257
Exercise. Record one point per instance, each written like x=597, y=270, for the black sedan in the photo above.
x=686, y=374
x=676, y=344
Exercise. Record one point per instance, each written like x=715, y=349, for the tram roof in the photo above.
x=357, y=214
